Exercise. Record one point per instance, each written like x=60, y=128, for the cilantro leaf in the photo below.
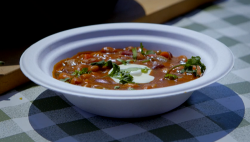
x=117, y=87
x=123, y=61
x=125, y=77
x=134, y=51
x=171, y=76
x=120, y=60
x=100, y=63
x=115, y=71
x=103, y=63
x=147, y=52
x=142, y=49
x=145, y=70
x=124, y=74
x=188, y=67
x=145, y=60
x=109, y=64
x=131, y=88
x=196, y=61
x=65, y=79
x=83, y=71
x=76, y=72
x=150, y=52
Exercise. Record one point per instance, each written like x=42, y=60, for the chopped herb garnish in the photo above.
x=147, y=52
x=100, y=63
x=142, y=52
x=124, y=74
x=109, y=64
x=125, y=77
x=171, y=76
x=65, y=79
x=123, y=61
x=103, y=63
x=117, y=87
x=127, y=61
x=115, y=71
x=150, y=52
x=131, y=88
x=194, y=61
x=145, y=61
x=145, y=70
x=134, y=51
x=188, y=67
x=83, y=71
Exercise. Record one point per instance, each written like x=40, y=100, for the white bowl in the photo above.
x=38, y=60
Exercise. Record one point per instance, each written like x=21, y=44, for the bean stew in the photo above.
x=130, y=68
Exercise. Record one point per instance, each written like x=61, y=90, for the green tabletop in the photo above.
x=218, y=112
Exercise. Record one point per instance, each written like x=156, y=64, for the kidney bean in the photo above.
x=94, y=68
x=140, y=56
x=64, y=75
x=85, y=76
x=125, y=52
x=182, y=58
x=76, y=80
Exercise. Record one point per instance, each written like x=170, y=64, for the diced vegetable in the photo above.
x=87, y=56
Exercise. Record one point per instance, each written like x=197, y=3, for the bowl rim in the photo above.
x=28, y=63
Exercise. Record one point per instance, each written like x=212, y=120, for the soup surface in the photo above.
x=130, y=68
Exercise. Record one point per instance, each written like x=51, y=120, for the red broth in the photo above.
x=98, y=76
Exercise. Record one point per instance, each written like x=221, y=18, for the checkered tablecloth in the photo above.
x=219, y=112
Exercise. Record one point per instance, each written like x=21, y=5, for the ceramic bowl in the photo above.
x=38, y=60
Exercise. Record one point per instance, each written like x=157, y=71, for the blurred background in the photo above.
x=26, y=22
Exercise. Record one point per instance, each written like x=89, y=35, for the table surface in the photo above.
x=219, y=112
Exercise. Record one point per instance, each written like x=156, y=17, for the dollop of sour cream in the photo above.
x=135, y=71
